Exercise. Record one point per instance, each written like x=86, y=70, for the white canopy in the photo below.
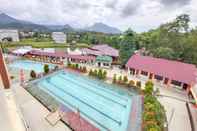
x=21, y=51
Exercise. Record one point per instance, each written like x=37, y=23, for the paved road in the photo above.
x=176, y=111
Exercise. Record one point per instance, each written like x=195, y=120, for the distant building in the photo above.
x=59, y=37
x=24, y=34
x=9, y=35
x=103, y=53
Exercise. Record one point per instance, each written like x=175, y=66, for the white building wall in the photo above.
x=9, y=33
x=59, y=37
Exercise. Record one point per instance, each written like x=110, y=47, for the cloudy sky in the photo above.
x=140, y=15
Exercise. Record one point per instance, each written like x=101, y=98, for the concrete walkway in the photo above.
x=10, y=117
x=176, y=110
x=35, y=113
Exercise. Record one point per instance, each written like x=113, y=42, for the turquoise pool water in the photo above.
x=105, y=106
x=29, y=65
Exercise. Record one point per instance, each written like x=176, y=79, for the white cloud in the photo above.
x=140, y=15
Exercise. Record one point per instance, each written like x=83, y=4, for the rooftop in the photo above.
x=174, y=70
x=61, y=54
x=102, y=49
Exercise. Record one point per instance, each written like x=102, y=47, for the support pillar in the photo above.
x=169, y=82
x=3, y=72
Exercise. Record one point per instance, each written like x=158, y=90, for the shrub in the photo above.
x=104, y=74
x=95, y=72
x=90, y=72
x=148, y=88
x=125, y=79
x=100, y=74
x=120, y=79
x=11, y=77
x=147, y=116
x=72, y=66
x=152, y=127
x=46, y=68
x=33, y=74
x=138, y=84
x=131, y=83
x=114, y=78
x=154, y=114
x=84, y=69
x=69, y=64
x=76, y=66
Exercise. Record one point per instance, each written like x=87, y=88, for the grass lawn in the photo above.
x=42, y=44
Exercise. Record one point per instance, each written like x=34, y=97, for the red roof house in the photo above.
x=63, y=55
x=173, y=70
x=102, y=49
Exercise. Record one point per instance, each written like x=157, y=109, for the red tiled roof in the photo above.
x=81, y=57
x=61, y=54
x=51, y=54
x=102, y=50
x=172, y=69
x=91, y=52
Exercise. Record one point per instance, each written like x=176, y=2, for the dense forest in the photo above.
x=174, y=40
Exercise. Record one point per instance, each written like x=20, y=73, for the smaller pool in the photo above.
x=29, y=65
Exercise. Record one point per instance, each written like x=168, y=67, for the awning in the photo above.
x=21, y=51
x=106, y=59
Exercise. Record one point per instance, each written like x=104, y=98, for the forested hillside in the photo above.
x=174, y=40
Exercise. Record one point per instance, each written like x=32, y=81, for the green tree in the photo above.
x=149, y=88
x=127, y=46
x=46, y=68
x=120, y=79
x=164, y=52
x=125, y=79
x=90, y=72
x=100, y=74
x=104, y=74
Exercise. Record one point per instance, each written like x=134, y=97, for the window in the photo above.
x=105, y=64
x=144, y=73
x=177, y=83
x=157, y=77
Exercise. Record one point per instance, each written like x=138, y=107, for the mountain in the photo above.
x=12, y=23
x=7, y=21
x=100, y=27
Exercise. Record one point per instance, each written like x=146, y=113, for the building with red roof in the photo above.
x=102, y=49
x=59, y=57
x=105, y=55
x=168, y=72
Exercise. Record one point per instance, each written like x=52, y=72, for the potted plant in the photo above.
x=114, y=79
x=46, y=68
x=33, y=74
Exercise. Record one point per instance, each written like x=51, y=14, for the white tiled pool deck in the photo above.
x=34, y=112
x=10, y=119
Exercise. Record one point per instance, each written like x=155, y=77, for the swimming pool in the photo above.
x=29, y=65
x=105, y=106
